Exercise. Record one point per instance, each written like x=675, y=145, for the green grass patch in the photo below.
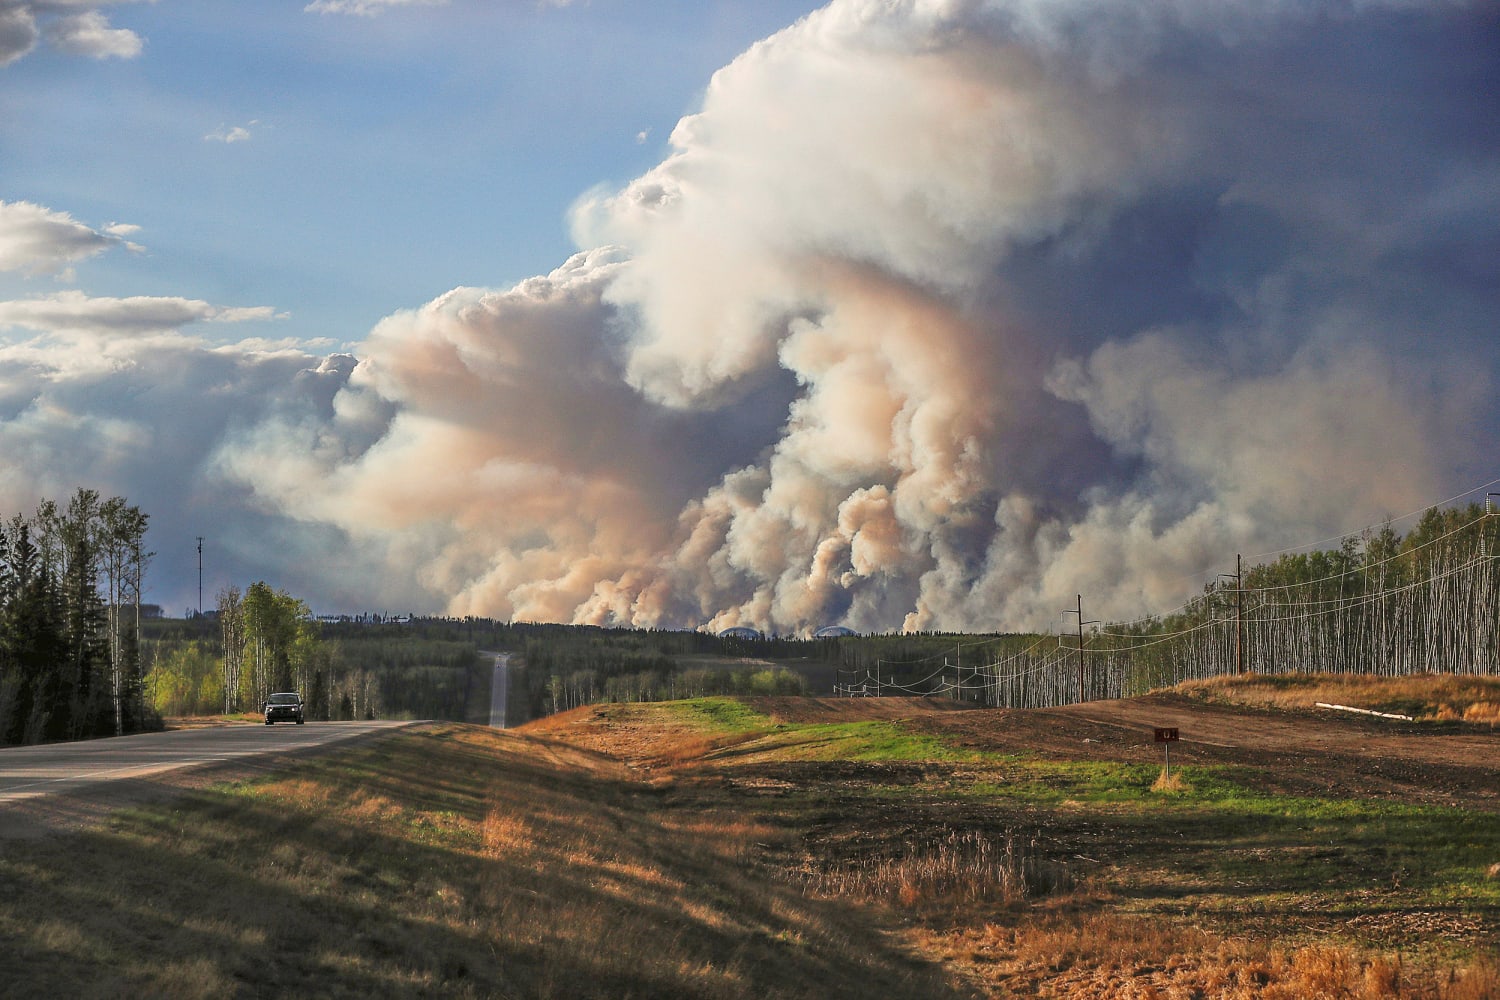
x=725, y=716
x=865, y=741
x=1054, y=782
x=1218, y=827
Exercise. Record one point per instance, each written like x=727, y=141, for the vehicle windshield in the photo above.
x=284, y=699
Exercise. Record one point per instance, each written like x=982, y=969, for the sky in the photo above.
x=924, y=314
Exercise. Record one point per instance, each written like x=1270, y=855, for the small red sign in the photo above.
x=1166, y=735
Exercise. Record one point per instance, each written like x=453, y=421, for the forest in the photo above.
x=432, y=667
x=70, y=620
x=1380, y=603
x=428, y=669
x=77, y=658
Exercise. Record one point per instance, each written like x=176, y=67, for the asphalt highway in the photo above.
x=93, y=766
x=498, y=686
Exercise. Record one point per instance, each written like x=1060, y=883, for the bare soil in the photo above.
x=1318, y=752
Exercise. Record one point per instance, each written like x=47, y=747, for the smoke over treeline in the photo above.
x=937, y=314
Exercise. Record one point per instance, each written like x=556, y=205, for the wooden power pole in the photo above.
x=1239, y=615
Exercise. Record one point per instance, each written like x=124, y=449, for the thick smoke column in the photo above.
x=942, y=312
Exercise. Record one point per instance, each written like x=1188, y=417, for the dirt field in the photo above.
x=1320, y=854
x=1316, y=753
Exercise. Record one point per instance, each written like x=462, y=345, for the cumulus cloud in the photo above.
x=89, y=34
x=36, y=240
x=143, y=417
x=935, y=315
x=71, y=26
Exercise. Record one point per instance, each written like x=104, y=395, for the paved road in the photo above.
x=498, y=687
x=28, y=773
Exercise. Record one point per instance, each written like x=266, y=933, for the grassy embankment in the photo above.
x=455, y=860
x=745, y=856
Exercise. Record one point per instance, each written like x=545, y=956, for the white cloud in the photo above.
x=89, y=34
x=141, y=418
x=366, y=8
x=37, y=240
x=231, y=134
x=74, y=313
x=937, y=314
x=76, y=27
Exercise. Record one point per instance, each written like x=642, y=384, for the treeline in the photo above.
x=565, y=666
x=258, y=641
x=1379, y=603
x=70, y=598
x=430, y=667
x=263, y=640
x=575, y=688
x=568, y=665
x=414, y=676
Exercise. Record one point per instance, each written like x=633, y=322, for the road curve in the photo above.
x=92, y=776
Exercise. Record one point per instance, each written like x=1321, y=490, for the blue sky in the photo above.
x=915, y=314
x=383, y=159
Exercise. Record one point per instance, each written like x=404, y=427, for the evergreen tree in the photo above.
x=31, y=636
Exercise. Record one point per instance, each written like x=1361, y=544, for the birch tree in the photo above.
x=232, y=624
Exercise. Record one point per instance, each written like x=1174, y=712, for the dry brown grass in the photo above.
x=885, y=837
x=1444, y=697
x=657, y=740
x=457, y=861
x=1482, y=711
x=1081, y=949
x=966, y=867
x=647, y=857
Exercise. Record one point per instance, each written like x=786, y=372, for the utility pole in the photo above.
x=1081, y=698
x=1239, y=615
x=1491, y=508
x=200, y=576
x=1081, y=623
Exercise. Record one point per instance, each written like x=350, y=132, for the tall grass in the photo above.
x=1442, y=697
x=966, y=867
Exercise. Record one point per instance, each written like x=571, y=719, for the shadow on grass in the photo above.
x=449, y=861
